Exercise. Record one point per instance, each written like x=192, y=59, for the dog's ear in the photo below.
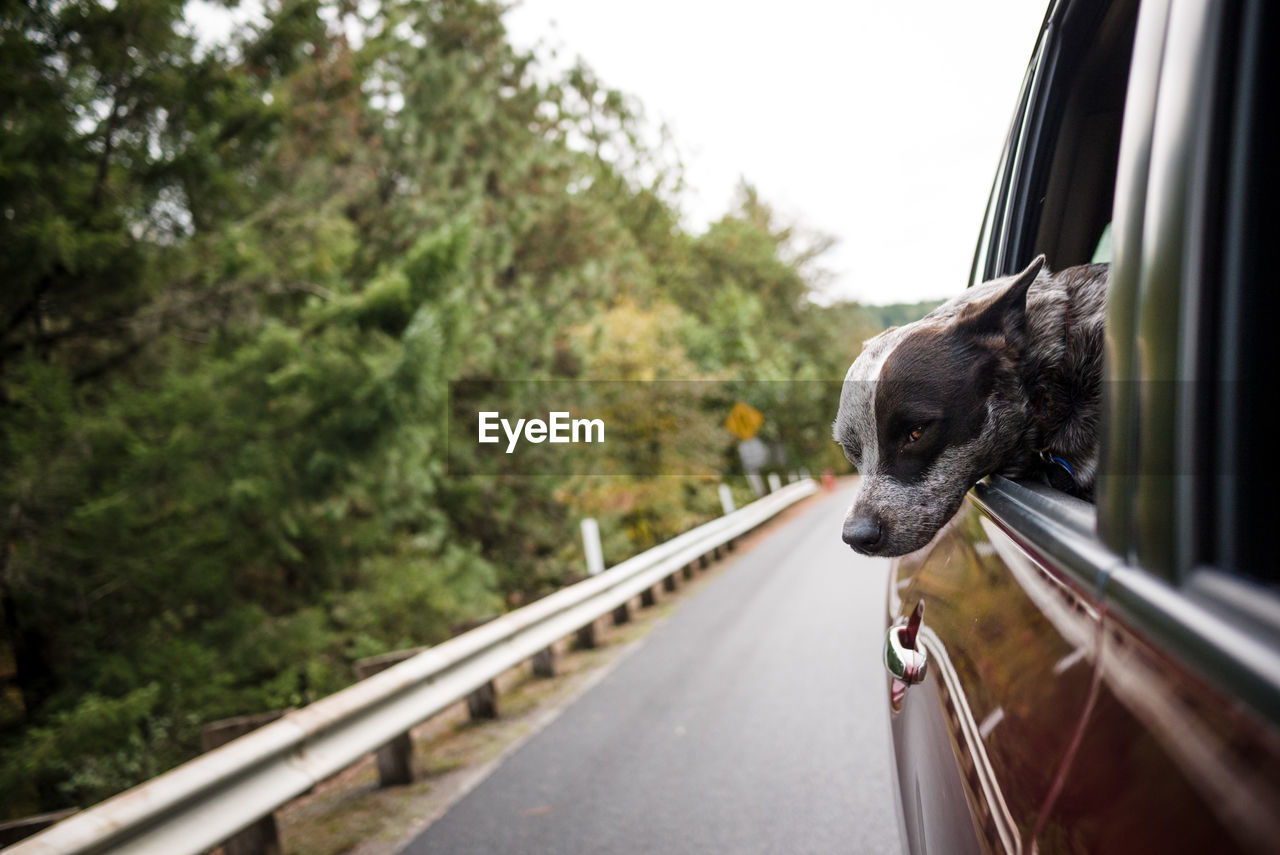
x=1005, y=313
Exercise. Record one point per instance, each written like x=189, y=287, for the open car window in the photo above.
x=1055, y=189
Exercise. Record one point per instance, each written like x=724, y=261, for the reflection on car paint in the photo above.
x=1054, y=711
x=1159, y=742
x=996, y=821
x=999, y=628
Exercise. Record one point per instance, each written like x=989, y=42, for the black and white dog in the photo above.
x=1004, y=378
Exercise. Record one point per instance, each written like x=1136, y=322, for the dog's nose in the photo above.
x=862, y=533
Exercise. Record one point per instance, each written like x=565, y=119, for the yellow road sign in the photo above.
x=744, y=420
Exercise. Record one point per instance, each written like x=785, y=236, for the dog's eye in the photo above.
x=914, y=434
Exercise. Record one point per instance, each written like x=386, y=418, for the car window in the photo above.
x=1055, y=191
x=1055, y=188
x=986, y=258
x=1102, y=252
x=1078, y=174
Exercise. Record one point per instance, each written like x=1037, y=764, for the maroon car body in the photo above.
x=1106, y=678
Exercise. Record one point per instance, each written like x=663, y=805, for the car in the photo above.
x=1080, y=677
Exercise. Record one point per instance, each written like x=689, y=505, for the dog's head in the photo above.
x=928, y=409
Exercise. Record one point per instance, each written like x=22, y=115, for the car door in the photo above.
x=1157, y=729
x=1011, y=645
x=1179, y=751
x=1011, y=625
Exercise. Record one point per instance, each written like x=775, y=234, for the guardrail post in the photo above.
x=647, y=598
x=587, y=636
x=262, y=837
x=669, y=583
x=483, y=702
x=622, y=614
x=544, y=662
x=775, y=483
x=688, y=570
x=395, y=759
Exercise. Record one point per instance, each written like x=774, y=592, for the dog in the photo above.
x=1005, y=378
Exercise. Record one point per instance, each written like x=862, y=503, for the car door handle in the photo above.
x=902, y=658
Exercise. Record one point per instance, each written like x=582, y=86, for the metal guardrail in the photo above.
x=199, y=804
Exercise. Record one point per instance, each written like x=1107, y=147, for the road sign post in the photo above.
x=591, y=546
x=726, y=499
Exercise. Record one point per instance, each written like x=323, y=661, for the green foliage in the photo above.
x=897, y=314
x=98, y=745
x=238, y=282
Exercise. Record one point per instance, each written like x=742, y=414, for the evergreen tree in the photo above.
x=238, y=281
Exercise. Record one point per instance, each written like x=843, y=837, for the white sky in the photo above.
x=879, y=123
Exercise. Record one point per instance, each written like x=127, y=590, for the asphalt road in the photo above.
x=754, y=720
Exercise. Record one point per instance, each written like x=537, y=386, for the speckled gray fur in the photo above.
x=1043, y=402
